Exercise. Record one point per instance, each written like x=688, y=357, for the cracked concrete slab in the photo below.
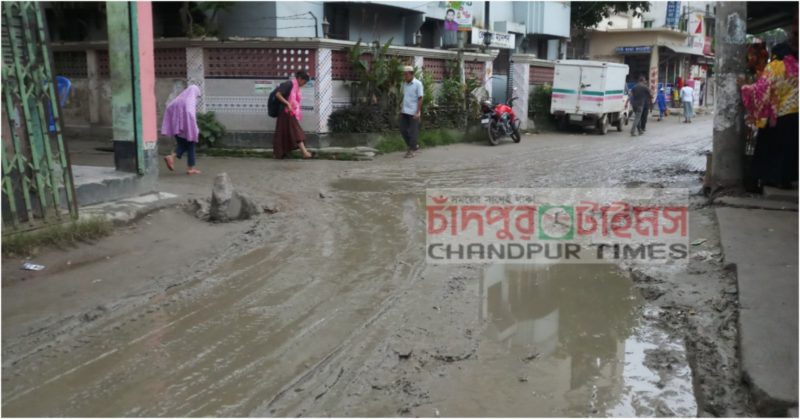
x=762, y=245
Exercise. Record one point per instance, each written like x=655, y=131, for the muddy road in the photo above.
x=328, y=306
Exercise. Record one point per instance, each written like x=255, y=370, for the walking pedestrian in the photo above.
x=411, y=111
x=661, y=101
x=288, y=133
x=640, y=96
x=645, y=114
x=180, y=121
x=687, y=99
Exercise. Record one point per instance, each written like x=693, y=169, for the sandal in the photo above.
x=193, y=172
x=170, y=163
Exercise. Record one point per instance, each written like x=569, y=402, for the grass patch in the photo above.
x=56, y=235
x=430, y=138
x=237, y=152
x=391, y=143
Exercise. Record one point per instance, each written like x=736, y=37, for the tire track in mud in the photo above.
x=290, y=326
x=244, y=289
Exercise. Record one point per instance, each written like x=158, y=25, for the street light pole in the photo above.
x=727, y=160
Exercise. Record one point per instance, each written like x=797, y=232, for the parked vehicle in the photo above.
x=500, y=120
x=590, y=94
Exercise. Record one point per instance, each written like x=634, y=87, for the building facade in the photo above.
x=670, y=45
x=260, y=44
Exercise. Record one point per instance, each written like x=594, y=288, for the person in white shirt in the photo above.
x=687, y=98
x=411, y=111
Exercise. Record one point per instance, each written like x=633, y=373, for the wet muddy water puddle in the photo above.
x=569, y=340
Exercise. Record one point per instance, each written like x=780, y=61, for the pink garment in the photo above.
x=180, y=116
x=295, y=99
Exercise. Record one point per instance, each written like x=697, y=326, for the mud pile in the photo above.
x=227, y=204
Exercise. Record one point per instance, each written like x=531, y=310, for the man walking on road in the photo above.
x=640, y=97
x=687, y=98
x=412, y=110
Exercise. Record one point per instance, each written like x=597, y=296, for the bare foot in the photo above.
x=170, y=162
x=193, y=172
x=306, y=155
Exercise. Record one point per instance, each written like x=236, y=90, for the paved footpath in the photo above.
x=762, y=245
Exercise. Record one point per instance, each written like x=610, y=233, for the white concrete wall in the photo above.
x=289, y=8
x=544, y=18
x=370, y=23
x=622, y=21
x=263, y=19
x=502, y=11
x=222, y=92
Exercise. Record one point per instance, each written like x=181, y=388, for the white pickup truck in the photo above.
x=591, y=94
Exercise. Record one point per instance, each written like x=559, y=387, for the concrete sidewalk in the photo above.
x=762, y=244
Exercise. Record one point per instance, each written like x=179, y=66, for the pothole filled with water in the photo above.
x=571, y=340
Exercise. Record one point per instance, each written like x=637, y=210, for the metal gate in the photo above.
x=37, y=176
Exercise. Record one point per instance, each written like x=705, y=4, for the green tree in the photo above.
x=587, y=14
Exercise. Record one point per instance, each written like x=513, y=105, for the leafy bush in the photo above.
x=362, y=118
x=427, y=86
x=211, y=130
x=377, y=93
x=539, y=105
x=380, y=80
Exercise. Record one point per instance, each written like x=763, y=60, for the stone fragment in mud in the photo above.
x=198, y=207
x=228, y=204
x=93, y=314
x=531, y=357
x=652, y=292
x=403, y=351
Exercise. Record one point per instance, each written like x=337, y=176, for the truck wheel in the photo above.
x=602, y=125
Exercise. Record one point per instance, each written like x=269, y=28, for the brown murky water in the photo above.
x=568, y=340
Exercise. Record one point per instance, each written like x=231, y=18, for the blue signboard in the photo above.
x=633, y=50
x=673, y=12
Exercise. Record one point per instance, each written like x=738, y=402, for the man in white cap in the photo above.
x=412, y=110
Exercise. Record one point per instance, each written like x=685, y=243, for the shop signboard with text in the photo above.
x=498, y=40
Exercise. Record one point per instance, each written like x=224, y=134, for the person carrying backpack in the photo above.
x=284, y=103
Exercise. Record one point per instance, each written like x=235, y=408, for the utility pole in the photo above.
x=727, y=170
x=461, y=41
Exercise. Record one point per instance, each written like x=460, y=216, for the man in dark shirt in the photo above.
x=640, y=96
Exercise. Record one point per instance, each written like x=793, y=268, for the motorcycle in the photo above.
x=500, y=121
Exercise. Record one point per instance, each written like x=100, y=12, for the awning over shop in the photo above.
x=684, y=50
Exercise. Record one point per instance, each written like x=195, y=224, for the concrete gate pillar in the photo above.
x=727, y=165
x=196, y=73
x=93, y=76
x=133, y=102
x=323, y=88
x=653, y=77
x=488, y=72
x=520, y=71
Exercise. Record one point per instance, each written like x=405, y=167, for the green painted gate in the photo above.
x=37, y=177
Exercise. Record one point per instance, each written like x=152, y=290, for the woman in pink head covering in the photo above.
x=180, y=121
x=288, y=133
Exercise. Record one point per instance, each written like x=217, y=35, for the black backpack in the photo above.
x=273, y=106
